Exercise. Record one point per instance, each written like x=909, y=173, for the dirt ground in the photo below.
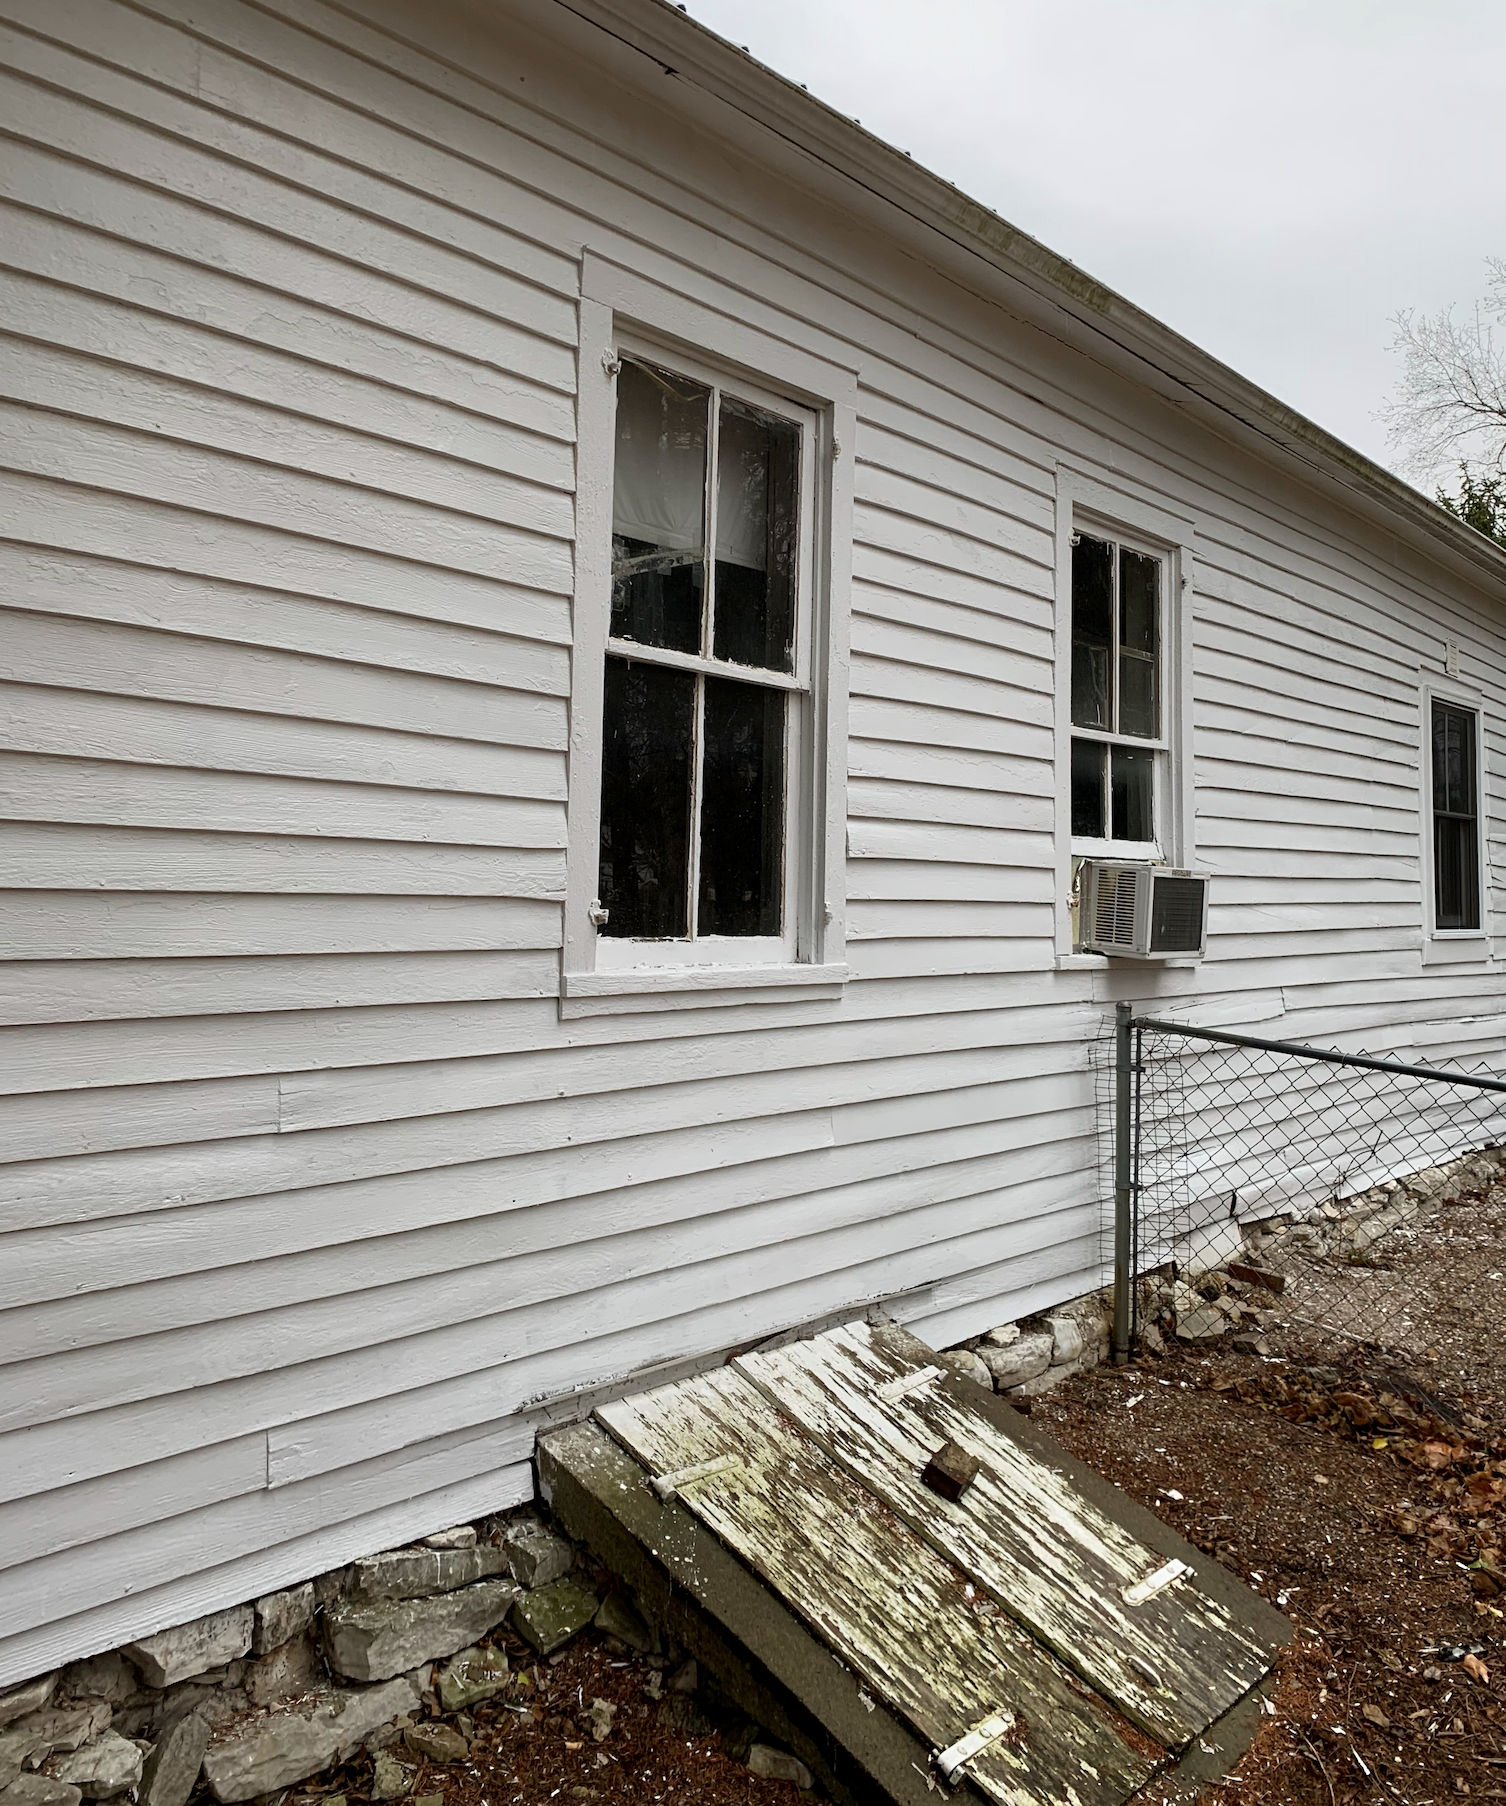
x=1373, y=1522
x=539, y=1740
x=1369, y=1511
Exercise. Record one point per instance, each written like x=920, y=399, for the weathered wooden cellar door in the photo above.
x=1038, y=1635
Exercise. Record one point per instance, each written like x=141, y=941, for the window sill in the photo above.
x=631, y=990
x=1081, y=962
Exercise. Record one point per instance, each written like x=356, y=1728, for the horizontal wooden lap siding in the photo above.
x=311, y=1194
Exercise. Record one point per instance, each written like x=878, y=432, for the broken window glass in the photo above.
x=659, y=508
x=694, y=798
x=755, y=537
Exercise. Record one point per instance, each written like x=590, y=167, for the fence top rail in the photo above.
x=1330, y=1056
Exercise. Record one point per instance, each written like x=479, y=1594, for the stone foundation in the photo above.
x=1021, y=1360
x=264, y=1695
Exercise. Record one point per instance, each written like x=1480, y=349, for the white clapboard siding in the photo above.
x=308, y=1196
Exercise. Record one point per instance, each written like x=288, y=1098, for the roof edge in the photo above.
x=683, y=47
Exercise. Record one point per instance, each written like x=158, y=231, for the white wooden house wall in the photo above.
x=308, y=1190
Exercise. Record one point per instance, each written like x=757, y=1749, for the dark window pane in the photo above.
x=757, y=474
x=1132, y=778
x=742, y=809
x=1456, y=872
x=1139, y=601
x=1456, y=845
x=1453, y=759
x=1139, y=712
x=659, y=508
x=1088, y=758
x=1092, y=630
x=1090, y=685
x=644, y=873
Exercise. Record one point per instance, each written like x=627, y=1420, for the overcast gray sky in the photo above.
x=1274, y=178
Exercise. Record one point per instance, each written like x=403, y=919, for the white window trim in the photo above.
x=1452, y=946
x=1087, y=505
x=620, y=306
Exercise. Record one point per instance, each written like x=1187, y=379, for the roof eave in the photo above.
x=694, y=53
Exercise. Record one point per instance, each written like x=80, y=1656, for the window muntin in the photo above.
x=1116, y=691
x=1456, y=817
x=706, y=684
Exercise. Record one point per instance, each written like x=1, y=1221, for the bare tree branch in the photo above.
x=1450, y=405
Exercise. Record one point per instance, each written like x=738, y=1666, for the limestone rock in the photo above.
x=1025, y=1357
x=30, y=1696
x=173, y=1766
x=967, y=1365
x=109, y=1677
x=189, y=1649
x=535, y=1555
x=372, y=1641
x=473, y=1675
x=53, y=1729
x=1003, y=1335
x=1151, y=1339
x=1201, y=1324
x=603, y=1711
x=778, y=1765
x=290, y=1669
x=680, y=1712
x=390, y=1779
x=620, y=1618
x=1052, y=1377
x=275, y=1750
x=550, y=1615
x=463, y=1536
x=1066, y=1339
x=39, y=1790
x=110, y=1765
x=329, y=1586
x=281, y=1616
x=436, y=1743
x=421, y=1573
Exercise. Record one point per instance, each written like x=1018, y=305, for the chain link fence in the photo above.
x=1304, y=1200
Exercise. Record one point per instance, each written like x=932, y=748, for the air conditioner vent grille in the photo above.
x=1114, y=916
x=1176, y=915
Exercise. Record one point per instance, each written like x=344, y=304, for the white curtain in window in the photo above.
x=742, y=491
x=659, y=477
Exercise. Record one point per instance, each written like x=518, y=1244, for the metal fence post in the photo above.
x=1123, y=1180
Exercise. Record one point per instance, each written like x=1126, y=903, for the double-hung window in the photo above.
x=1455, y=771
x=707, y=692
x=1119, y=745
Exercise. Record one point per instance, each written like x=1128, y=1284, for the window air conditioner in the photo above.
x=1138, y=911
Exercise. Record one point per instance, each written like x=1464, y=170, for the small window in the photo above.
x=1456, y=817
x=1117, y=708
x=707, y=676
